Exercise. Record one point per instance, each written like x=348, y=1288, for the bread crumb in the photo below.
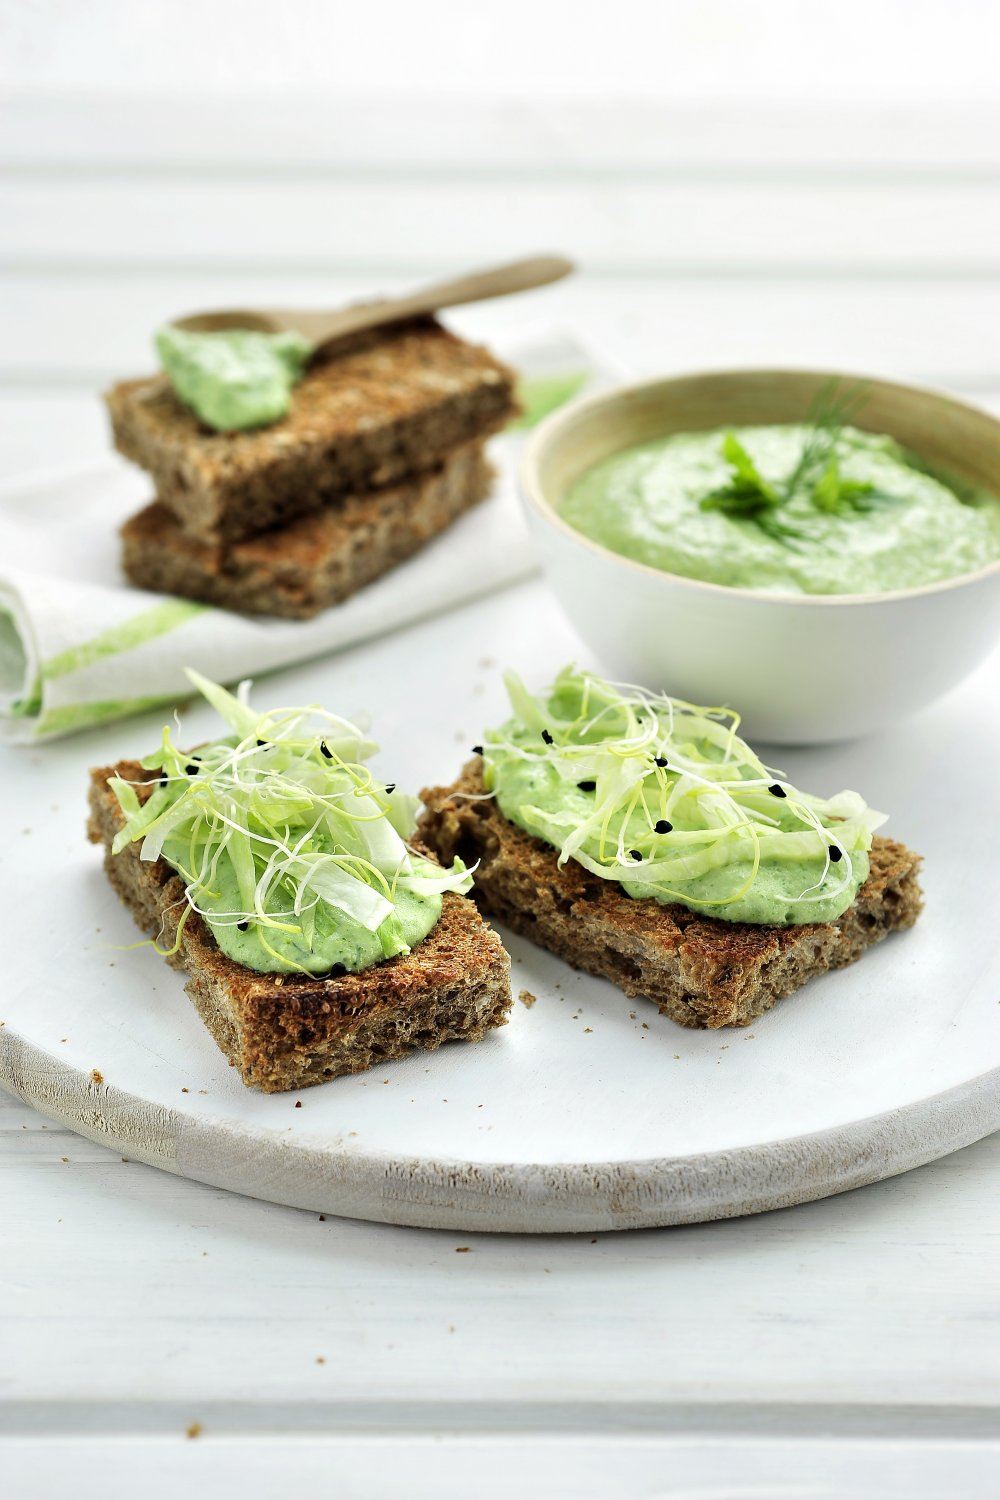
x=298, y=1104
x=320, y=1360
x=645, y=1025
x=527, y=999
x=64, y=1158
x=193, y=1430
x=322, y=1218
x=96, y=1076
x=586, y=1029
x=462, y=1249
x=185, y=1091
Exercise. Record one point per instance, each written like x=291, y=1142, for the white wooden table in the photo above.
x=156, y=1333
x=858, y=1332
x=854, y=1341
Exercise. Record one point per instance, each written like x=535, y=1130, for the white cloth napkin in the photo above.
x=79, y=647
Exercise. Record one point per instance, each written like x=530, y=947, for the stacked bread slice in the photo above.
x=382, y=449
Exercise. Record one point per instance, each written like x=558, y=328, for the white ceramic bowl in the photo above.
x=800, y=669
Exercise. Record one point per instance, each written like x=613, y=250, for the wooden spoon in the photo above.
x=323, y=328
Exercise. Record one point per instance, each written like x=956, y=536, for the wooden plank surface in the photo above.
x=947, y=228
x=880, y=1300
x=99, y=134
x=578, y=1466
x=81, y=331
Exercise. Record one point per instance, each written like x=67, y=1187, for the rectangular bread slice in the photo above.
x=385, y=405
x=698, y=970
x=296, y=570
x=288, y=1031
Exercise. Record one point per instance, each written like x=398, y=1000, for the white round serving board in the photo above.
x=588, y=1111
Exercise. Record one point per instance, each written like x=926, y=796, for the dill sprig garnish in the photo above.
x=749, y=495
x=830, y=411
x=746, y=492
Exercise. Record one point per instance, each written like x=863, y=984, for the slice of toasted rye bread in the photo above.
x=288, y=1031
x=296, y=570
x=699, y=971
x=386, y=405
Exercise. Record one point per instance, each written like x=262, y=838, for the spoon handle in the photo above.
x=325, y=327
x=477, y=286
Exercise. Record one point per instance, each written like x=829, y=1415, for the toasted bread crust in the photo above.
x=700, y=971
x=288, y=1031
x=385, y=405
x=315, y=561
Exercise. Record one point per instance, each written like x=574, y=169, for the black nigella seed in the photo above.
x=324, y=751
x=661, y=761
x=546, y=737
x=777, y=791
x=835, y=854
x=191, y=770
x=390, y=786
x=477, y=749
x=662, y=826
x=261, y=743
x=243, y=926
x=634, y=854
x=587, y=786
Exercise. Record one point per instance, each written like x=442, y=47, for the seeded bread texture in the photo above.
x=699, y=971
x=384, y=406
x=315, y=561
x=288, y=1031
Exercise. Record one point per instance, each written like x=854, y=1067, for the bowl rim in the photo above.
x=548, y=429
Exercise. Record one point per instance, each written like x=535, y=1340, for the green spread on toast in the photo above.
x=289, y=848
x=664, y=798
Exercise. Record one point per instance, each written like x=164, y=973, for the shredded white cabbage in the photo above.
x=287, y=804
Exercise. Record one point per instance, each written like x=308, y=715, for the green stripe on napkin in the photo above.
x=542, y=394
x=123, y=637
x=72, y=716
